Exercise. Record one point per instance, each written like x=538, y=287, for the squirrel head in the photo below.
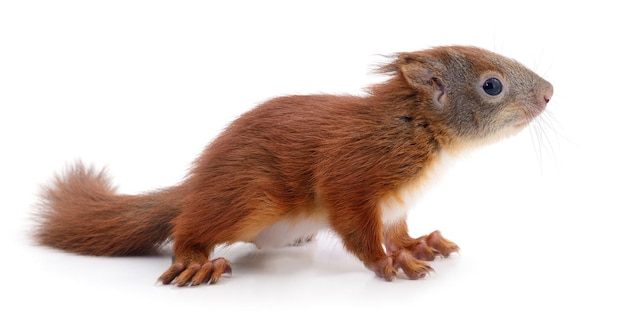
x=474, y=95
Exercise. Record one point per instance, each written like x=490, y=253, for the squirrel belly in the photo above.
x=290, y=231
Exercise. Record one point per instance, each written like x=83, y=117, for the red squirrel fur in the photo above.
x=296, y=164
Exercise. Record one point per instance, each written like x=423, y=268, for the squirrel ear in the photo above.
x=424, y=73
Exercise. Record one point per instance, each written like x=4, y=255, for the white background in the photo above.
x=142, y=86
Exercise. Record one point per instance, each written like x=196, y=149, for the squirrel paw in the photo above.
x=413, y=268
x=383, y=268
x=428, y=247
x=196, y=273
x=387, y=268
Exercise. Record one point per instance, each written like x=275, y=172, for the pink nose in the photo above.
x=547, y=92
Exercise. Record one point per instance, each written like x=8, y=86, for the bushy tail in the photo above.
x=81, y=212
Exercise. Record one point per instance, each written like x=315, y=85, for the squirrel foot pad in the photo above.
x=196, y=273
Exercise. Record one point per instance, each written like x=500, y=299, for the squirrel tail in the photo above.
x=81, y=212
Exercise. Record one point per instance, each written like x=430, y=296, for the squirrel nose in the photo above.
x=547, y=92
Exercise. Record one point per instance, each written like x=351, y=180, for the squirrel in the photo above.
x=297, y=164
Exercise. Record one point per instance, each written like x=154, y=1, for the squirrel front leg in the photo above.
x=362, y=234
x=426, y=247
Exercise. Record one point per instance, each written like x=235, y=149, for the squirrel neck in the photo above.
x=397, y=98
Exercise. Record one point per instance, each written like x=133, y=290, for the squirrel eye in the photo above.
x=492, y=86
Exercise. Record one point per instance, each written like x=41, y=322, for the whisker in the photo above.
x=546, y=144
x=535, y=137
x=542, y=131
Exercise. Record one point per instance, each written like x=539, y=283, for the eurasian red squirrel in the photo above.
x=296, y=164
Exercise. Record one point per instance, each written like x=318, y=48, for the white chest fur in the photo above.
x=394, y=207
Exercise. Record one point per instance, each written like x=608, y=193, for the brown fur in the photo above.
x=82, y=213
x=333, y=159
